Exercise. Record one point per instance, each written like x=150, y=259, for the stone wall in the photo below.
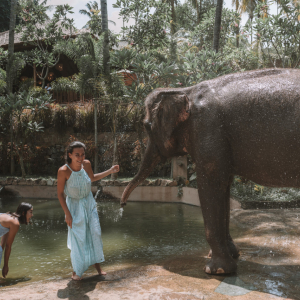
x=158, y=190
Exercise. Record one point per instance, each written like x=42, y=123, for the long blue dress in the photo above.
x=84, y=238
x=3, y=230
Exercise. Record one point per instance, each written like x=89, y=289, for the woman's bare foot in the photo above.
x=99, y=270
x=75, y=277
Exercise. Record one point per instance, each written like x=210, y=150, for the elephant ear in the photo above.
x=170, y=110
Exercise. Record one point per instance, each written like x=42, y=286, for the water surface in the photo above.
x=144, y=233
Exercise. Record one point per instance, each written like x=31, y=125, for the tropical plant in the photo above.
x=2, y=81
x=49, y=36
x=94, y=13
x=23, y=129
x=278, y=35
x=64, y=84
x=152, y=20
x=146, y=71
x=202, y=36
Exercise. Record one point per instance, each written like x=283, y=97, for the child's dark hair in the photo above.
x=70, y=148
x=21, y=212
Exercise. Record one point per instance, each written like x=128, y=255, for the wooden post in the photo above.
x=34, y=75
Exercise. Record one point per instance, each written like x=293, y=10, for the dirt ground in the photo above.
x=268, y=268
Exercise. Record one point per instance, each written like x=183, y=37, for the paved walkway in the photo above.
x=268, y=268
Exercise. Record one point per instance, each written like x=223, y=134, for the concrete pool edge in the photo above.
x=164, y=194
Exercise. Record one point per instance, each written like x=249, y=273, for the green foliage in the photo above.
x=64, y=84
x=17, y=106
x=2, y=81
x=59, y=119
x=94, y=13
x=202, y=36
x=246, y=190
x=49, y=36
x=278, y=35
x=152, y=19
x=202, y=65
x=4, y=15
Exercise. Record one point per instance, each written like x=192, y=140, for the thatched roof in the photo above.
x=4, y=36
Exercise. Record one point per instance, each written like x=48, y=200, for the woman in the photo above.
x=9, y=226
x=84, y=231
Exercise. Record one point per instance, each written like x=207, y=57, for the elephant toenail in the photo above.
x=220, y=271
x=207, y=270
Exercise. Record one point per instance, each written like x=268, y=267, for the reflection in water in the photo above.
x=141, y=233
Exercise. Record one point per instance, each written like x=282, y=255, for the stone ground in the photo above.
x=268, y=268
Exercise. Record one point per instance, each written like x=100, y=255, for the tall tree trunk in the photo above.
x=199, y=9
x=104, y=16
x=238, y=27
x=173, y=24
x=96, y=135
x=114, y=176
x=9, y=75
x=217, y=27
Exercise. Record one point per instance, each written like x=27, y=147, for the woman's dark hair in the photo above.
x=21, y=212
x=71, y=147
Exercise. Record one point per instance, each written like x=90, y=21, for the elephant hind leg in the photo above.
x=232, y=247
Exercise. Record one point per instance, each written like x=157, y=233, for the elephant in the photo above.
x=245, y=124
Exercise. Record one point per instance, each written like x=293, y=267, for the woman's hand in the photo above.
x=5, y=270
x=69, y=220
x=115, y=169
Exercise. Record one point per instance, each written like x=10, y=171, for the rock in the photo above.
x=124, y=182
x=50, y=181
x=166, y=182
x=117, y=183
x=36, y=181
x=55, y=182
x=157, y=182
x=146, y=182
x=103, y=183
x=173, y=183
x=22, y=181
x=9, y=180
x=29, y=181
x=43, y=182
x=16, y=181
x=109, y=182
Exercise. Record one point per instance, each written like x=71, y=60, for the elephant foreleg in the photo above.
x=214, y=198
x=232, y=247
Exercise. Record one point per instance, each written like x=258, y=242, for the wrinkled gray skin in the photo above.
x=244, y=124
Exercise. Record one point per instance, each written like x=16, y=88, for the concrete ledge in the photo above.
x=33, y=191
x=161, y=194
x=141, y=193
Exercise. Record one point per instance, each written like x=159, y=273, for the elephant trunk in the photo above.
x=151, y=159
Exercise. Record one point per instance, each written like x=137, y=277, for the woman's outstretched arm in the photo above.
x=8, y=241
x=94, y=177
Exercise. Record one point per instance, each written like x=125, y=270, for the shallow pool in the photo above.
x=144, y=233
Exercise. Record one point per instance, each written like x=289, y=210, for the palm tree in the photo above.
x=217, y=27
x=92, y=10
x=248, y=6
x=236, y=3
